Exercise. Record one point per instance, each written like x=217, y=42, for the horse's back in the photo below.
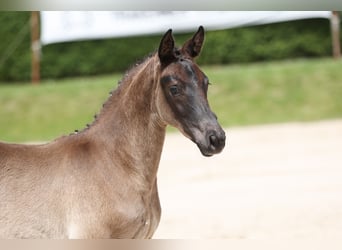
x=25, y=193
x=12, y=156
x=20, y=156
x=39, y=186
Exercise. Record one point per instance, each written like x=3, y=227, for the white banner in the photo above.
x=62, y=26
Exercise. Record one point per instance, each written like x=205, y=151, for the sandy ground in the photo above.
x=271, y=182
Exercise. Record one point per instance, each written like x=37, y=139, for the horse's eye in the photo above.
x=174, y=90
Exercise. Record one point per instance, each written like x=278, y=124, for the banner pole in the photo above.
x=335, y=34
x=35, y=48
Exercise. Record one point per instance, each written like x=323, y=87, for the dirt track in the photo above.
x=274, y=181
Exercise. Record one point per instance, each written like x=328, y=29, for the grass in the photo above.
x=272, y=92
x=301, y=90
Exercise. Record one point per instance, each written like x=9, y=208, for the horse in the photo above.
x=101, y=182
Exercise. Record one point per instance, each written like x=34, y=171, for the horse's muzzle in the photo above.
x=214, y=143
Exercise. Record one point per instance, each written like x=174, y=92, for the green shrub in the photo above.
x=304, y=38
x=15, y=61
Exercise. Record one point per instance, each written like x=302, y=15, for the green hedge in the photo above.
x=15, y=61
x=304, y=38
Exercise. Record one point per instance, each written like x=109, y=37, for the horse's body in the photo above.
x=101, y=182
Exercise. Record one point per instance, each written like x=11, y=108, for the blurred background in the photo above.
x=265, y=69
x=276, y=86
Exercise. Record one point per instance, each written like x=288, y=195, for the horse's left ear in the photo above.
x=194, y=45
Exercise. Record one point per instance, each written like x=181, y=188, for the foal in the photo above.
x=101, y=182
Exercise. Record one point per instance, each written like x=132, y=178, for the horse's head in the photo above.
x=184, y=85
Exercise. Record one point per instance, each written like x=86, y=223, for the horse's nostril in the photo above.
x=217, y=141
x=213, y=140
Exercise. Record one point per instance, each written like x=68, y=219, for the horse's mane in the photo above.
x=129, y=72
x=134, y=66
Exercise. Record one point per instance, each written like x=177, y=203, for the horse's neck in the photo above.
x=129, y=121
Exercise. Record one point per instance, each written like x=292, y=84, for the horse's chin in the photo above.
x=206, y=154
x=208, y=150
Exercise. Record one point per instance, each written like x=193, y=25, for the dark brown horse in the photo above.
x=101, y=182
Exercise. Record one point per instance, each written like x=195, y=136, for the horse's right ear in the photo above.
x=166, y=48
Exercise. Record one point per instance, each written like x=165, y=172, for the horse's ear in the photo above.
x=194, y=45
x=166, y=48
